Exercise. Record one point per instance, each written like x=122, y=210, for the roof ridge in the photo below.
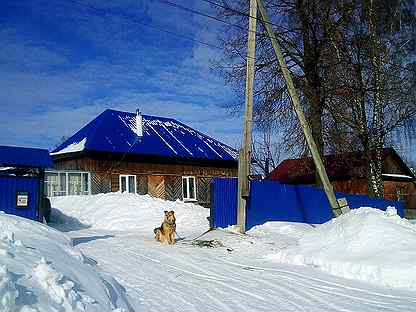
x=144, y=115
x=177, y=121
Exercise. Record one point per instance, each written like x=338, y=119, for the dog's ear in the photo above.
x=172, y=212
x=166, y=212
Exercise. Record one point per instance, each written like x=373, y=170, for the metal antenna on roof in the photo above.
x=139, y=124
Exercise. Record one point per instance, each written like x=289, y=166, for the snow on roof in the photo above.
x=115, y=131
x=73, y=147
x=395, y=175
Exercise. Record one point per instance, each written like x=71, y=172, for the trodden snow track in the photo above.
x=186, y=278
x=116, y=231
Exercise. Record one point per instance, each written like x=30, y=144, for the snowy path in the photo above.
x=187, y=278
x=237, y=277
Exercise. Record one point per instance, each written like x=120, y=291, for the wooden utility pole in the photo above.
x=244, y=161
x=299, y=112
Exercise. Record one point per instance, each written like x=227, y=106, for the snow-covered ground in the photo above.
x=41, y=271
x=366, y=244
x=247, y=274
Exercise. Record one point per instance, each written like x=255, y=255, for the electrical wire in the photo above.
x=227, y=7
x=137, y=21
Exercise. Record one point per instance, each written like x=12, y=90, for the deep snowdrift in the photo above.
x=366, y=244
x=124, y=211
x=41, y=271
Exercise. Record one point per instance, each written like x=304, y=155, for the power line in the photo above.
x=184, y=8
x=227, y=7
x=105, y=13
x=200, y=13
x=221, y=20
x=137, y=21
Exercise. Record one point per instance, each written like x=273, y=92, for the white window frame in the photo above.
x=188, y=198
x=127, y=182
x=66, y=174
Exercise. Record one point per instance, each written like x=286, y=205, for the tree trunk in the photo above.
x=312, y=88
x=376, y=187
x=375, y=175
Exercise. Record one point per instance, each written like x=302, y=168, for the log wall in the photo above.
x=159, y=180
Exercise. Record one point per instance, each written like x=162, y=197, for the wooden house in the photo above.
x=130, y=152
x=348, y=175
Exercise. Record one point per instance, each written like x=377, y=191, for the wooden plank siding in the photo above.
x=173, y=187
x=100, y=183
x=114, y=167
x=115, y=182
x=142, y=185
x=156, y=186
x=158, y=180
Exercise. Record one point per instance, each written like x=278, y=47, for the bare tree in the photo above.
x=352, y=65
x=266, y=150
x=374, y=80
x=298, y=24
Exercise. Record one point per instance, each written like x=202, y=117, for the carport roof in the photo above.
x=14, y=156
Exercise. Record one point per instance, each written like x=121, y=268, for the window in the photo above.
x=401, y=192
x=188, y=188
x=51, y=183
x=128, y=183
x=74, y=183
x=61, y=183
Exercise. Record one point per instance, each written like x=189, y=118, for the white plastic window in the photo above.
x=60, y=183
x=128, y=183
x=188, y=188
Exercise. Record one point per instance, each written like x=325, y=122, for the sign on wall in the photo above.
x=22, y=199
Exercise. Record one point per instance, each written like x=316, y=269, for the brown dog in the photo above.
x=166, y=232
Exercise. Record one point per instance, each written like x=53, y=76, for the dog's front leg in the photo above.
x=172, y=238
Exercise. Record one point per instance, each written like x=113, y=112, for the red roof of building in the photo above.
x=338, y=167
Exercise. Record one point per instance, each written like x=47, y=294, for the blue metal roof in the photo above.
x=115, y=131
x=24, y=157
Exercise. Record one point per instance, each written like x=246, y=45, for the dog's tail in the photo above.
x=156, y=230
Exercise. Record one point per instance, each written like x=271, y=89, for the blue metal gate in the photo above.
x=27, y=187
x=224, y=202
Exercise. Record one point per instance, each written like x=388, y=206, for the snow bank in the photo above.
x=41, y=271
x=365, y=244
x=124, y=211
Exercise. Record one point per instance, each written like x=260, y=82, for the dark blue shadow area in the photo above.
x=65, y=223
x=86, y=239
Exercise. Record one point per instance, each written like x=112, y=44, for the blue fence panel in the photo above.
x=357, y=201
x=224, y=205
x=272, y=201
x=9, y=186
x=314, y=204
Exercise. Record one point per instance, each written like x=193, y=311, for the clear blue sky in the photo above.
x=61, y=64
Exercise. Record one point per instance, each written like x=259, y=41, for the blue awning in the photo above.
x=24, y=157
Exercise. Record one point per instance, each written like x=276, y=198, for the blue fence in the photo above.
x=272, y=201
x=12, y=186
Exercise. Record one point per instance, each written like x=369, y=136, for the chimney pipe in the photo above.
x=139, y=124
